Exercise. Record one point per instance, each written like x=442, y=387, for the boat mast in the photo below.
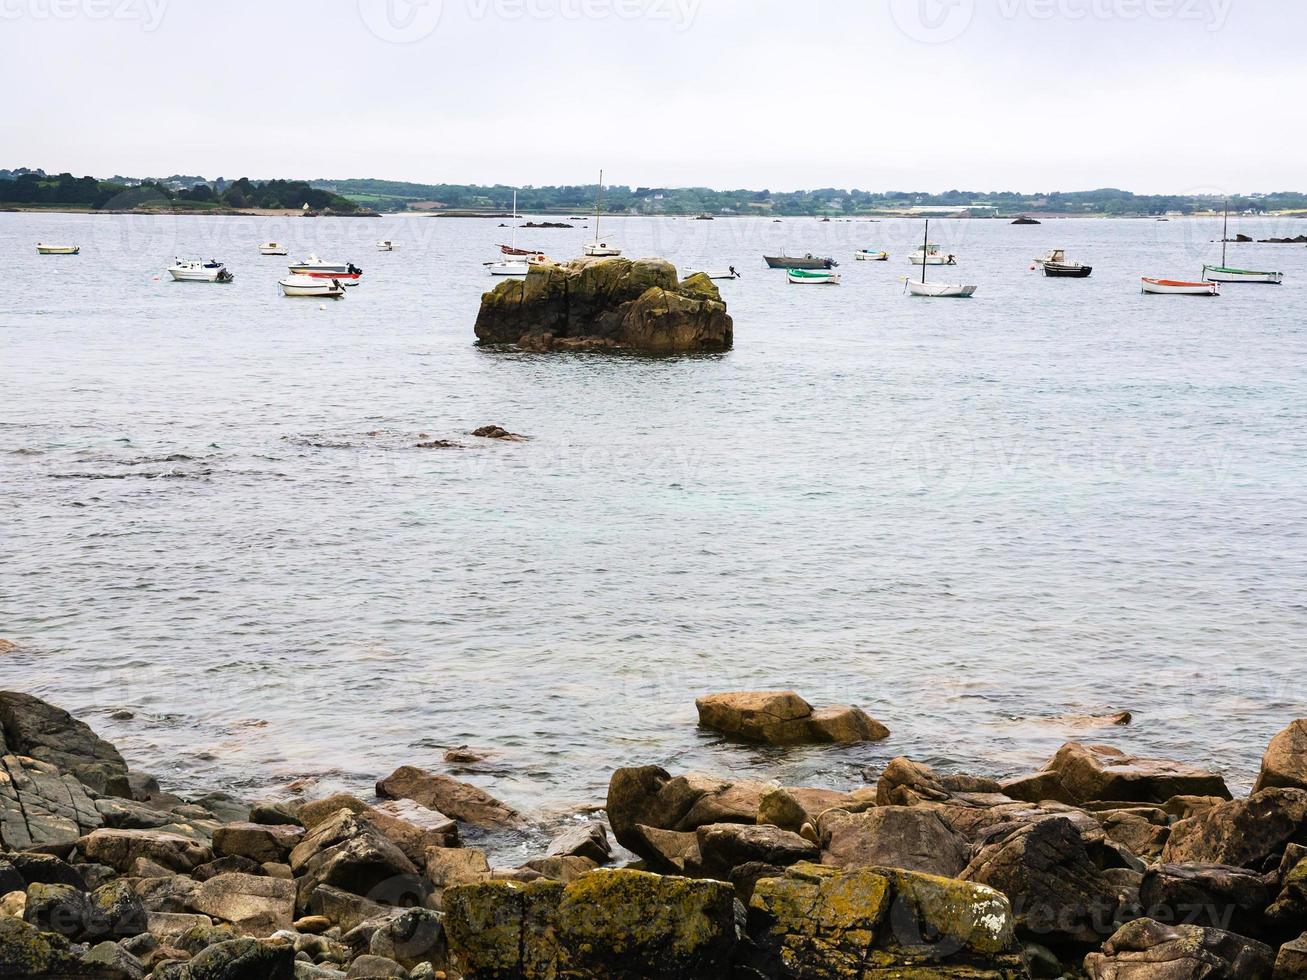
x=599, y=196
x=925, y=247
x=1225, y=231
x=514, y=239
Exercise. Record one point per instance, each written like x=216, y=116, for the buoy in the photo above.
x=156, y=278
x=322, y=306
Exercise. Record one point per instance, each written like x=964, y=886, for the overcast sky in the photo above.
x=1148, y=95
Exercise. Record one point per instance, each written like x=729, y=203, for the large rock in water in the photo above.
x=39, y=730
x=782, y=717
x=636, y=304
x=1101, y=772
x=1285, y=761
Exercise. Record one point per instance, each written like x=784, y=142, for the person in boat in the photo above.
x=731, y=270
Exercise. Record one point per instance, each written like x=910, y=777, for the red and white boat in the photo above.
x=1178, y=287
x=346, y=272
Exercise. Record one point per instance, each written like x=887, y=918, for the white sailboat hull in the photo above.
x=600, y=249
x=507, y=268
x=940, y=289
x=1216, y=273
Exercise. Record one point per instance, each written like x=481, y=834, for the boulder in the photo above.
x=632, y=794
x=348, y=852
x=41, y=806
x=1144, y=949
x=1211, y=895
x=255, y=905
x=1100, y=772
x=409, y=825
x=460, y=800
x=114, y=911
x=1285, y=761
x=608, y=923
x=169, y=893
x=672, y=851
x=26, y=951
x=723, y=846
x=414, y=937
x=606, y=303
x=911, y=838
x=782, y=718
x=243, y=959
x=1289, y=910
x=275, y=812
x=823, y=923
x=258, y=842
x=1291, y=961
x=561, y=867
x=1057, y=892
x=370, y=967
x=589, y=839
x=1137, y=834
x=56, y=908
x=233, y=863
x=456, y=866
x=119, y=849
x=47, y=869
x=343, y=909
x=34, y=728
x=1248, y=833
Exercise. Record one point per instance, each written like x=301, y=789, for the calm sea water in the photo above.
x=969, y=517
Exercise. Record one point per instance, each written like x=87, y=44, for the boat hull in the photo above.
x=793, y=262
x=344, y=278
x=58, y=249
x=1067, y=270
x=601, y=250
x=200, y=275
x=941, y=290
x=869, y=256
x=509, y=268
x=801, y=277
x=918, y=259
x=715, y=274
x=308, y=286
x=272, y=248
x=1177, y=287
x=1217, y=273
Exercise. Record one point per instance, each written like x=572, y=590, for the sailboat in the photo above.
x=924, y=288
x=1223, y=273
x=516, y=261
x=599, y=246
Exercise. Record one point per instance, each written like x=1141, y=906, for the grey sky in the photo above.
x=1150, y=95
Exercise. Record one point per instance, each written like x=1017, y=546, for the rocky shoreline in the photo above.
x=1101, y=865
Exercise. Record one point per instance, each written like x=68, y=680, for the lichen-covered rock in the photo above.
x=26, y=951
x=114, y=911
x=56, y=908
x=1144, y=949
x=1285, y=761
x=450, y=796
x=1291, y=961
x=113, y=961
x=912, y=838
x=1246, y=833
x=606, y=924
x=243, y=959
x=34, y=728
x=1100, y=772
x=782, y=717
x=414, y=937
x=614, y=302
x=41, y=806
x=1289, y=910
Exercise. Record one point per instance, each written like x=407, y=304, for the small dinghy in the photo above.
x=273, y=248
x=940, y=289
x=1178, y=287
x=300, y=285
x=44, y=249
x=870, y=255
x=728, y=273
x=197, y=270
x=812, y=277
x=385, y=245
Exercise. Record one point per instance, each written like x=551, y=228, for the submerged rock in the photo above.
x=636, y=304
x=782, y=717
x=450, y=796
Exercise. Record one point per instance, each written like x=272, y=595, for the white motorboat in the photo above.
x=930, y=254
x=45, y=249
x=273, y=248
x=599, y=247
x=937, y=289
x=299, y=285
x=1178, y=287
x=347, y=273
x=1223, y=272
x=812, y=277
x=870, y=255
x=197, y=270
x=729, y=272
x=385, y=245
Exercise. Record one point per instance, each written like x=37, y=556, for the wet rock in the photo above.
x=617, y=302
x=782, y=717
x=497, y=432
x=119, y=849
x=131, y=815
x=275, y=812
x=243, y=959
x=222, y=807
x=349, y=853
x=413, y=827
x=1100, y=772
x=457, y=799
x=723, y=846
x=1148, y=949
x=1213, y=895
x=34, y=728
x=1285, y=761
x=589, y=840
x=256, y=906
x=41, y=806
x=1248, y=833
x=648, y=796
x=258, y=842
x=910, y=838
x=561, y=867
x=1056, y=890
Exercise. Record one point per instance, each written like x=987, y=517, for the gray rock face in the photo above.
x=1146, y=949
x=589, y=840
x=911, y=838
x=724, y=846
x=41, y=806
x=256, y=905
x=1100, y=772
x=243, y=959
x=120, y=849
x=450, y=796
x=258, y=842
x=34, y=728
x=1247, y=833
x=1212, y=895
x=349, y=853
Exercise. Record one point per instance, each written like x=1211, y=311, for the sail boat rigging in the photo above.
x=924, y=288
x=518, y=260
x=1223, y=273
x=598, y=246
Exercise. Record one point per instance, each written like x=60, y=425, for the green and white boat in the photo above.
x=813, y=277
x=1224, y=273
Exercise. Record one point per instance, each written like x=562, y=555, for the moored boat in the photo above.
x=1178, y=287
x=301, y=285
x=812, y=277
x=728, y=273
x=313, y=264
x=197, y=270
x=1056, y=266
x=273, y=248
x=930, y=254
x=45, y=249
x=1224, y=273
x=870, y=255
x=939, y=289
x=598, y=247
x=808, y=261
x=385, y=245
